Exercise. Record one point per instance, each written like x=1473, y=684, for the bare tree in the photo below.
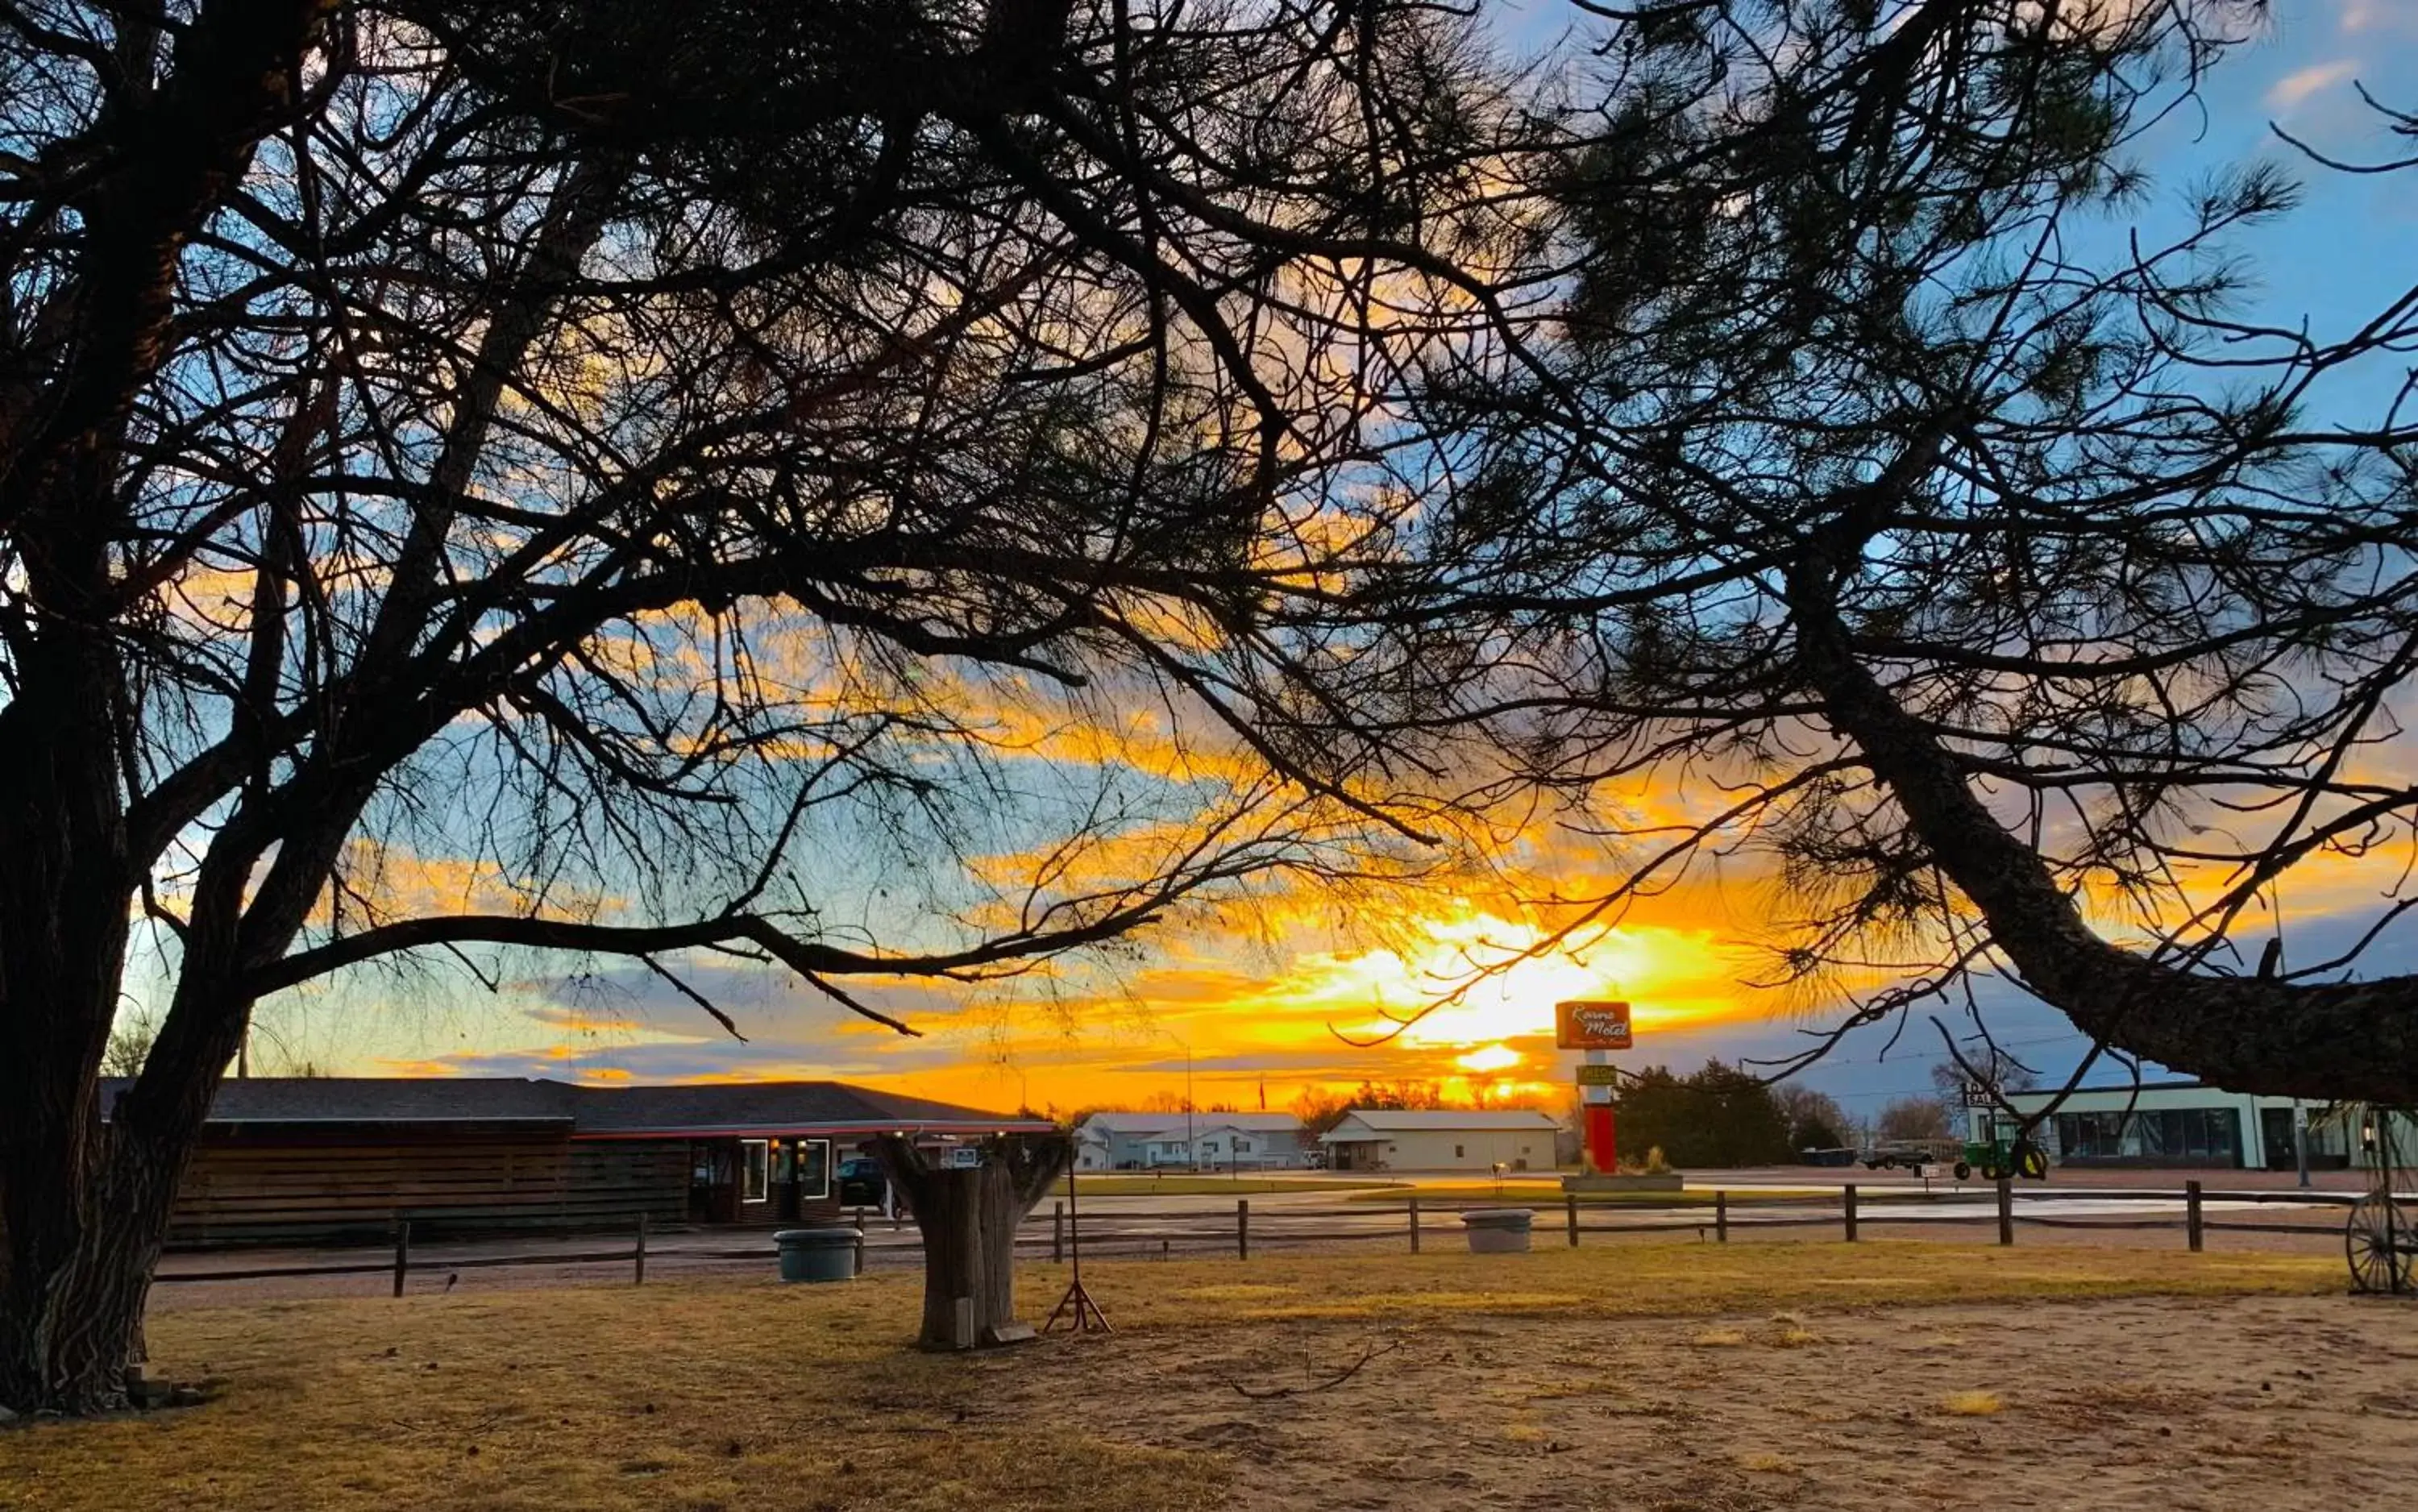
x=664, y=463
x=1991, y=1073
x=1970, y=563
x=130, y=1045
x=1914, y=1119
x=1815, y=1120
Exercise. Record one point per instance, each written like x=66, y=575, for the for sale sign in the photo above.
x=1585, y=1024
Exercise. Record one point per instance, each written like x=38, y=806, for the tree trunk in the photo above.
x=64, y=1342
x=82, y=1207
x=73, y=1319
x=968, y=1218
x=83, y=1203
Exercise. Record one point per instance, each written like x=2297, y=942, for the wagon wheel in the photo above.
x=2378, y=1242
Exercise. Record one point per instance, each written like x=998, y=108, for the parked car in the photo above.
x=860, y=1183
x=1909, y=1155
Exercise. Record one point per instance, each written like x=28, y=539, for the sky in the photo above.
x=1252, y=1008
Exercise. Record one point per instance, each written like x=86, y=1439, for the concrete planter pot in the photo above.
x=818, y=1254
x=1669, y=1181
x=1498, y=1230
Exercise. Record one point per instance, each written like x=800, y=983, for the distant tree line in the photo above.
x=1715, y=1116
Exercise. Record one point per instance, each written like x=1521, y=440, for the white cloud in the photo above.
x=2294, y=88
x=2379, y=15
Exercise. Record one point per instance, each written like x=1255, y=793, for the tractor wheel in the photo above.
x=1963, y=1172
x=2033, y=1161
x=2376, y=1241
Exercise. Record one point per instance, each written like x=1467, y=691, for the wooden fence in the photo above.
x=1715, y=1217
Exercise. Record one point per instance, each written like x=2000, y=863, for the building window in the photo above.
x=814, y=1168
x=756, y=1170
x=2169, y=1136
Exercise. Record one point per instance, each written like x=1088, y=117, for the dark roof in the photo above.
x=380, y=1099
x=724, y=1106
x=766, y=1105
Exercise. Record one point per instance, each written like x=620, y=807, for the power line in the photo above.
x=2068, y=1036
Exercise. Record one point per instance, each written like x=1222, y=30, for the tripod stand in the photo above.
x=1085, y=1313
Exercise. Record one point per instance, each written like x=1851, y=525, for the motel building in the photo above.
x=338, y=1159
x=1389, y=1140
x=2185, y=1124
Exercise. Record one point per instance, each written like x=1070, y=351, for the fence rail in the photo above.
x=1238, y=1229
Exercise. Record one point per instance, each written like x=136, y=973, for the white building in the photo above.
x=1388, y=1139
x=1189, y=1141
x=2185, y=1123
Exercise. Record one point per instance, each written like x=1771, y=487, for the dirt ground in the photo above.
x=1869, y=1376
x=2200, y=1403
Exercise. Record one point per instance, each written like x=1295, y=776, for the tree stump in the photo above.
x=968, y=1217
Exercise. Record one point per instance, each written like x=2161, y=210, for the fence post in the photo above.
x=401, y=1252
x=1570, y=1203
x=1721, y=1217
x=1242, y=1228
x=2191, y=1216
x=1414, y=1224
x=1057, y=1233
x=1850, y=1193
x=2006, y=1209
x=639, y=1256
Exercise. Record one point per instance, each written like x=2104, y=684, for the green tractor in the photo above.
x=2006, y=1152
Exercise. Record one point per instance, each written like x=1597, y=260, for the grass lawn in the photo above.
x=1191, y=1185
x=744, y=1394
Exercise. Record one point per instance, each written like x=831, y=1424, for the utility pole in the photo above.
x=1191, y=1147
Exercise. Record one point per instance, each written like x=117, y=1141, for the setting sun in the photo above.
x=1492, y=1058
x=1478, y=987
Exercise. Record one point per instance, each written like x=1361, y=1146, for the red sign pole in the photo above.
x=1604, y=1156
